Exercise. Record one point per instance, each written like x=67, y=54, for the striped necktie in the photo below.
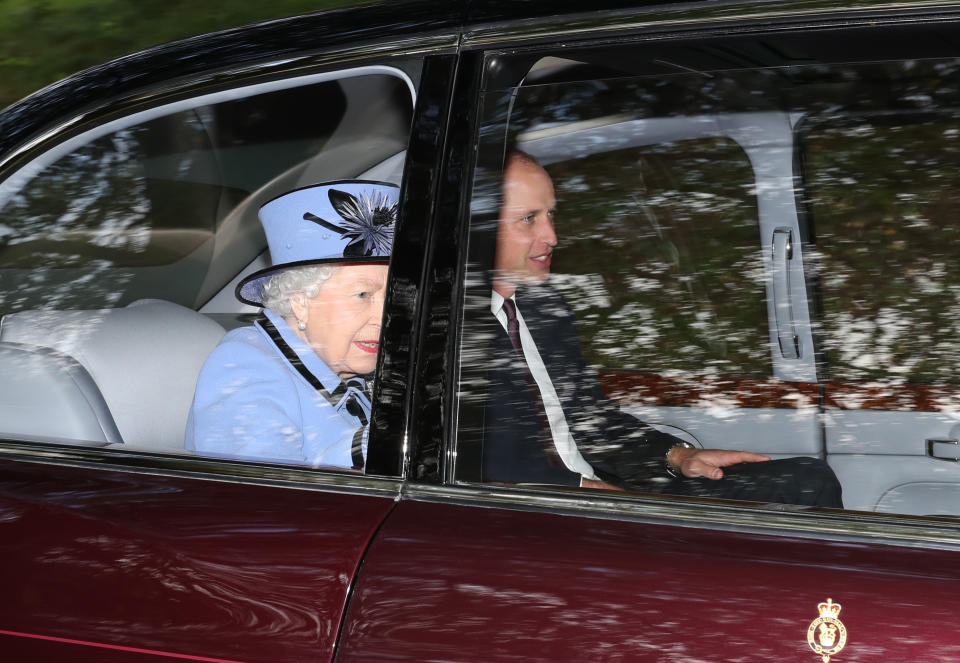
x=546, y=434
x=513, y=325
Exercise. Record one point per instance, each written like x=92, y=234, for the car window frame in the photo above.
x=485, y=44
x=22, y=174
x=282, y=72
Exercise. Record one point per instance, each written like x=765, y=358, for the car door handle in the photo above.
x=782, y=255
x=943, y=448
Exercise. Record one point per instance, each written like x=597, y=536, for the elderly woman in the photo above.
x=294, y=387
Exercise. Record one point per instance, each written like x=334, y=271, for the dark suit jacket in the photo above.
x=622, y=449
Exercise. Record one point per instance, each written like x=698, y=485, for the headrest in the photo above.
x=145, y=358
x=48, y=396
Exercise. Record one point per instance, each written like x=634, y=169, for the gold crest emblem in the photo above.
x=827, y=635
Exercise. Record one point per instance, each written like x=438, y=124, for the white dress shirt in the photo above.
x=562, y=439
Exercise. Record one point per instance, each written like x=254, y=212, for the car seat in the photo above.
x=144, y=359
x=48, y=396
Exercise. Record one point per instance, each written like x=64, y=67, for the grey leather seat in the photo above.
x=144, y=359
x=47, y=396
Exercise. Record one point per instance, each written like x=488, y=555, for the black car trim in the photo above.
x=395, y=410
x=19, y=142
x=434, y=386
x=437, y=390
x=487, y=32
x=767, y=519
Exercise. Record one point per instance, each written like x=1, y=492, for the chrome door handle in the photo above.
x=947, y=446
x=782, y=254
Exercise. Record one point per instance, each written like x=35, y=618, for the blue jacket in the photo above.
x=264, y=394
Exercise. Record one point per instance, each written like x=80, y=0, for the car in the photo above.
x=756, y=235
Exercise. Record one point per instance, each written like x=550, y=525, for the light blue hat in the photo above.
x=348, y=221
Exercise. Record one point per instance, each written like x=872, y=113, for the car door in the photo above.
x=458, y=576
x=114, y=565
x=474, y=569
x=127, y=220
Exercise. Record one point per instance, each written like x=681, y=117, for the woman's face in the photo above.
x=343, y=320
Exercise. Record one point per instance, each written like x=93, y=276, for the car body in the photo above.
x=759, y=213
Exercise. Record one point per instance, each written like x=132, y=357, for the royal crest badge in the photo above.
x=827, y=635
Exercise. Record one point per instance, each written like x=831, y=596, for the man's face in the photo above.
x=343, y=320
x=525, y=234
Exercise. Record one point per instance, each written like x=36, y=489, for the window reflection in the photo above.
x=884, y=196
x=120, y=250
x=660, y=261
x=158, y=208
x=673, y=190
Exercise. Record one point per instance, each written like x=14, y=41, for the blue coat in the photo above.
x=264, y=394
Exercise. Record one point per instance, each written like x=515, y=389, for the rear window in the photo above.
x=163, y=203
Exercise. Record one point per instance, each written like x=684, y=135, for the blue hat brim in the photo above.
x=303, y=229
x=250, y=289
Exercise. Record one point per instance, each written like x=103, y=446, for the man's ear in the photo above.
x=298, y=304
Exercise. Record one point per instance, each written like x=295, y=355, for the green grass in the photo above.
x=42, y=41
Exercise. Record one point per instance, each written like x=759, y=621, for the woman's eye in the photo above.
x=363, y=295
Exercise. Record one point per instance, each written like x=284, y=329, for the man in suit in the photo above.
x=548, y=420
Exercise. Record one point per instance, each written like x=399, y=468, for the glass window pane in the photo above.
x=121, y=248
x=884, y=195
x=740, y=243
x=139, y=211
x=655, y=281
x=660, y=259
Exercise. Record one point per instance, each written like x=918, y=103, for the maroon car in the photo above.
x=757, y=238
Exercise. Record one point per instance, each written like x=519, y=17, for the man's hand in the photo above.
x=596, y=484
x=707, y=462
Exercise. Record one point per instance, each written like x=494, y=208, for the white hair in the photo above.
x=279, y=288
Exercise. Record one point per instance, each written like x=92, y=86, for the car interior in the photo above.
x=813, y=154
x=125, y=302
x=122, y=247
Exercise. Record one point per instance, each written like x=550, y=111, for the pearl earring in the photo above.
x=301, y=325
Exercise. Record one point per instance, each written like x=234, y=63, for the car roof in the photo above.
x=227, y=49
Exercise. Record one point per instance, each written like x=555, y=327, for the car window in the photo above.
x=157, y=204
x=741, y=257
x=678, y=220
x=113, y=240
x=882, y=193
x=657, y=275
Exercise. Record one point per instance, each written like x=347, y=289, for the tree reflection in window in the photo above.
x=660, y=259
x=884, y=196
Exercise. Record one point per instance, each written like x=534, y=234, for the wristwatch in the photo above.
x=671, y=469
